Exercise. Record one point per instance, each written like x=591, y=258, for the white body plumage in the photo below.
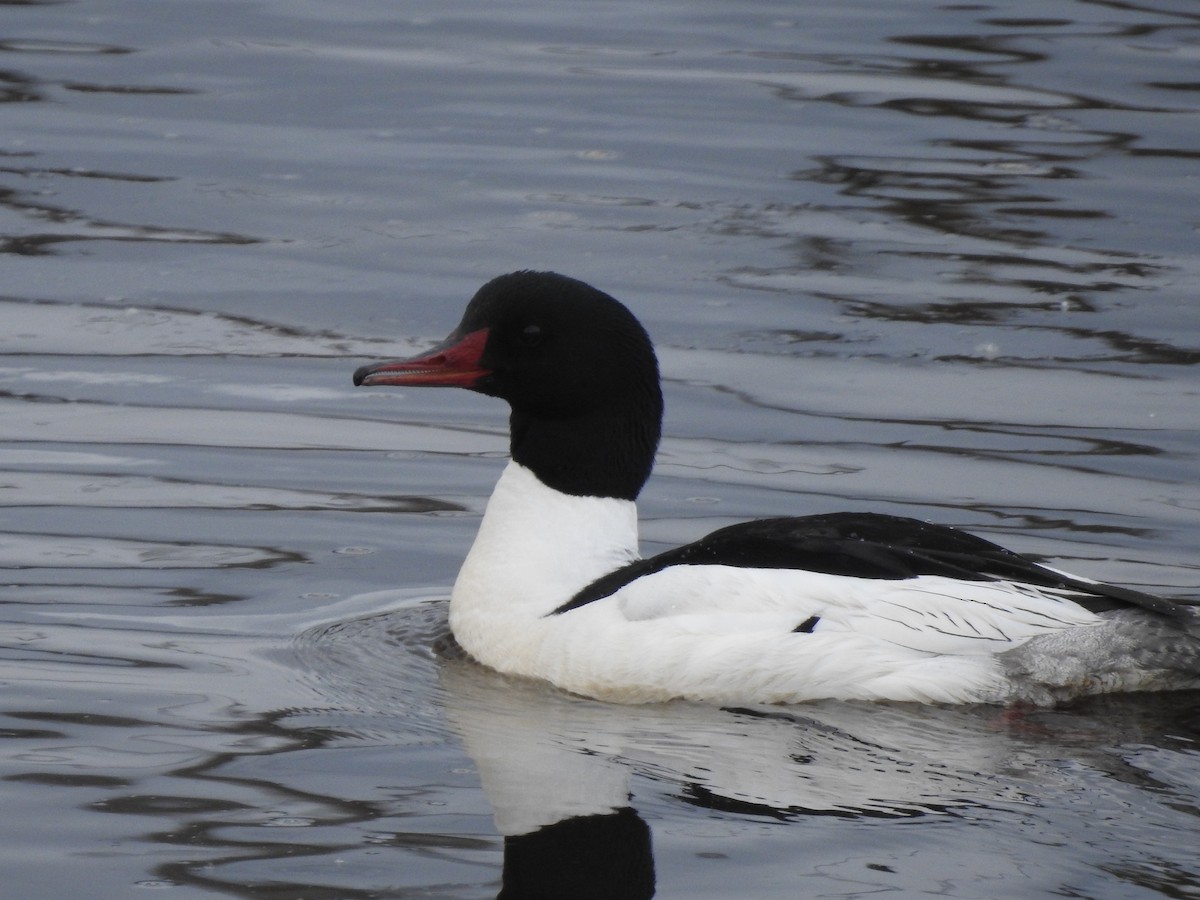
x=723, y=633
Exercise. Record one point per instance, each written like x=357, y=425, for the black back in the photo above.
x=870, y=545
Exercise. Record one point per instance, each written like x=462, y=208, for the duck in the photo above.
x=842, y=606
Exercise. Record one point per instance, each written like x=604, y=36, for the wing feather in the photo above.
x=923, y=586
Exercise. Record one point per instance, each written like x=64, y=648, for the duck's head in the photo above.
x=575, y=366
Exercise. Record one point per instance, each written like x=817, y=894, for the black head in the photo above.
x=574, y=364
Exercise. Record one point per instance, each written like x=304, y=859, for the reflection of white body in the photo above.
x=737, y=803
x=746, y=784
x=544, y=757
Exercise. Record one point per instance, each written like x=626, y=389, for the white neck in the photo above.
x=536, y=547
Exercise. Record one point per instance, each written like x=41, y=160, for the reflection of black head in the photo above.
x=585, y=858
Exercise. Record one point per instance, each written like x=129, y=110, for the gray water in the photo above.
x=939, y=260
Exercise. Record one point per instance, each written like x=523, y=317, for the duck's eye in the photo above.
x=531, y=335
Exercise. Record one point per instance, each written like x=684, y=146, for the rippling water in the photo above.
x=931, y=259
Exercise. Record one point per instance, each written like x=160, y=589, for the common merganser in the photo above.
x=782, y=610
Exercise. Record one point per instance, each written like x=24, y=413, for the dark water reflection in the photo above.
x=379, y=786
x=375, y=789
x=936, y=260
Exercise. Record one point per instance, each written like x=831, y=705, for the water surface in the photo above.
x=930, y=259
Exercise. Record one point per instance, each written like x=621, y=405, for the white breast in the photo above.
x=535, y=548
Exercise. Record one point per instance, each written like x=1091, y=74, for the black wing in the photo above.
x=870, y=545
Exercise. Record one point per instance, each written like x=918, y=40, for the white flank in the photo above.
x=722, y=633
